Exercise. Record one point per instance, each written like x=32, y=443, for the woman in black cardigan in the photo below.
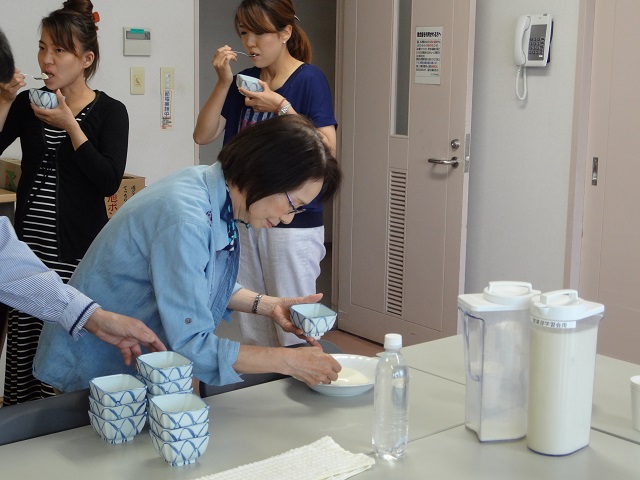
x=72, y=157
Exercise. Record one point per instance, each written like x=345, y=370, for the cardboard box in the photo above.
x=9, y=173
x=130, y=185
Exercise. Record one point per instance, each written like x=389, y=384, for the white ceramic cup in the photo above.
x=635, y=402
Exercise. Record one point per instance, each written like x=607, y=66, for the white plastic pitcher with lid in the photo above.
x=564, y=336
x=496, y=340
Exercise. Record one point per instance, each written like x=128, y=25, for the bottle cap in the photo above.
x=563, y=305
x=392, y=341
x=499, y=296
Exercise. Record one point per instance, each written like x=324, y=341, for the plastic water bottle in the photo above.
x=391, y=401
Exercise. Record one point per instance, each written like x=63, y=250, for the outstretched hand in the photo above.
x=124, y=332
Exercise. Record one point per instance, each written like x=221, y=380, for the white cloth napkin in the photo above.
x=321, y=460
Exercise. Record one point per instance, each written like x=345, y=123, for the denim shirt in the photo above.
x=161, y=259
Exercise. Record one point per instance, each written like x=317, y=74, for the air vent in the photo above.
x=395, y=241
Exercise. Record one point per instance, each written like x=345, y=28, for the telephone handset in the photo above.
x=531, y=46
x=532, y=40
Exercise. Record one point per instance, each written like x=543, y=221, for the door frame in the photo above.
x=579, y=145
x=338, y=88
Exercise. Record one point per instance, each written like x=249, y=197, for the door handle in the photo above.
x=454, y=162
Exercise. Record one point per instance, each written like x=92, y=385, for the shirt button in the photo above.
x=187, y=320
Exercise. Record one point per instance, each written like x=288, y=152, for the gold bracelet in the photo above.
x=256, y=301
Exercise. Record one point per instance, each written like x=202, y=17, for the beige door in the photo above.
x=610, y=257
x=401, y=237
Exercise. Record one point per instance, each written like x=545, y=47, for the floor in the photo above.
x=353, y=344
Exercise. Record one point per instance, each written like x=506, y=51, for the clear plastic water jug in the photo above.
x=564, y=336
x=496, y=340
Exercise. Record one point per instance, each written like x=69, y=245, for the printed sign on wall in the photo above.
x=428, y=55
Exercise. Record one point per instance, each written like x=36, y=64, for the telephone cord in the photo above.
x=521, y=69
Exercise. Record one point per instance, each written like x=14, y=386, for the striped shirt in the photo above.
x=28, y=285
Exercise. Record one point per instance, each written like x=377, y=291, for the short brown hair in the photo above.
x=278, y=155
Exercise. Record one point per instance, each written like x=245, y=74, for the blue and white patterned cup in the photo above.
x=116, y=390
x=174, y=386
x=119, y=412
x=43, y=98
x=180, y=433
x=117, y=431
x=181, y=452
x=161, y=367
x=314, y=319
x=178, y=410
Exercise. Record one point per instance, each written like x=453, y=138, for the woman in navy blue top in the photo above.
x=283, y=261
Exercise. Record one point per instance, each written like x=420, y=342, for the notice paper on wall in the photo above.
x=167, y=109
x=428, y=55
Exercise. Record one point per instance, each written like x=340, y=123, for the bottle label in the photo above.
x=553, y=323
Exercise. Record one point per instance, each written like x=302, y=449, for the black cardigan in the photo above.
x=85, y=176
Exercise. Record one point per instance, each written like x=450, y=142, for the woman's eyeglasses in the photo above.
x=294, y=210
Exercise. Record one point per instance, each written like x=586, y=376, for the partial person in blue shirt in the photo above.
x=28, y=285
x=170, y=257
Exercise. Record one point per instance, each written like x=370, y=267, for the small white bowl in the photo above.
x=181, y=433
x=161, y=367
x=117, y=431
x=42, y=98
x=314, y=319
x=178, y=410
x=116, y=413
x=182, y=452
x=248, y=83
x=116, y=390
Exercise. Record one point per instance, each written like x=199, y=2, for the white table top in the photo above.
x=443, y=358
x=256, y=423
x=457, y=455
x=247, y=425
x=611, y=392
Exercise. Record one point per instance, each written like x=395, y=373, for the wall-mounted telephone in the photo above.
x=532, y=40
x=531, y=45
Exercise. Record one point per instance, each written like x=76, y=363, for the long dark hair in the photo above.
x=271, y=16
x=75, y=21
x=278, y=155
x=7, y=67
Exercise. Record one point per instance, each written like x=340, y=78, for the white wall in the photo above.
x=520, y=151
x=153, y=153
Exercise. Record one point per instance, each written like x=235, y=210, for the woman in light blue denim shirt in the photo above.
x=170, y=258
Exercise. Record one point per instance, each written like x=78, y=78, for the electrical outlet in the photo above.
x=166, y=78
